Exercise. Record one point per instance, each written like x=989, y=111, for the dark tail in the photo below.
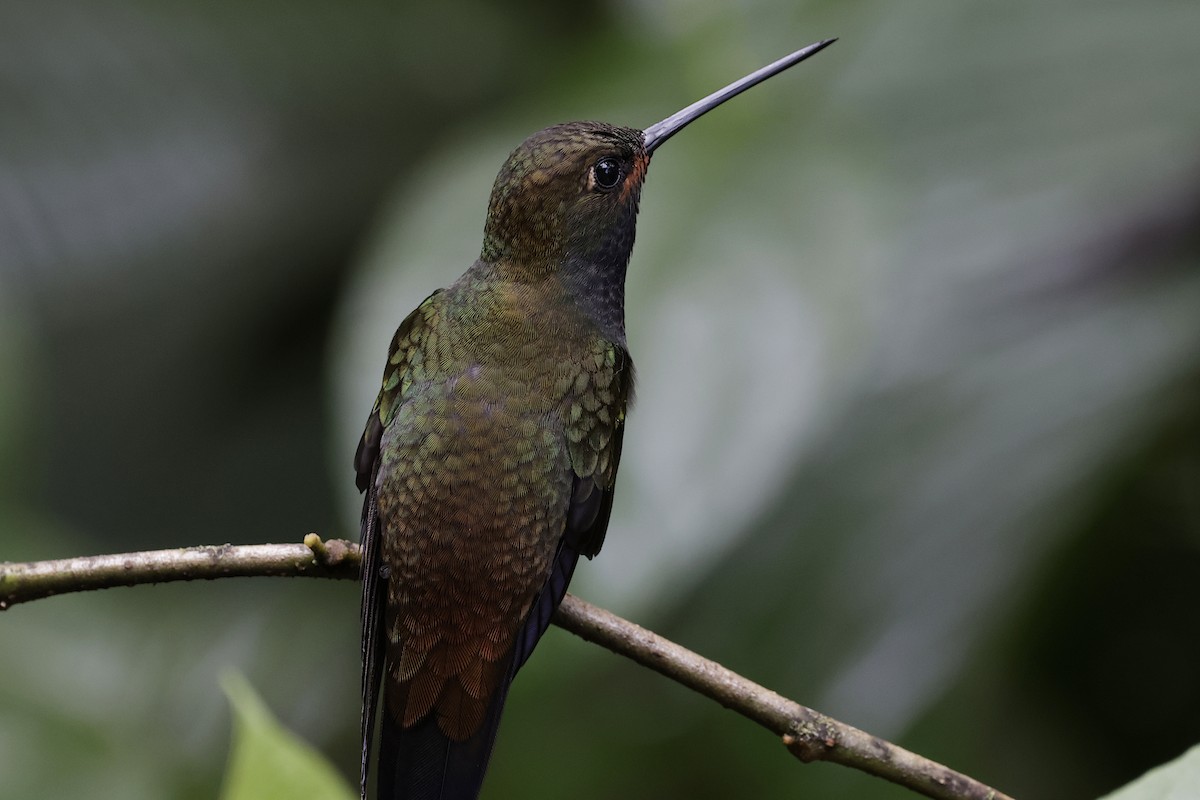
x=422, y=763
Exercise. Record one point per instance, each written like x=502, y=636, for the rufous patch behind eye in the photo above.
x=637, y=172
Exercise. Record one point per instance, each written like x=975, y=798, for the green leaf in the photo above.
x=1176, y=780
x=267, y=760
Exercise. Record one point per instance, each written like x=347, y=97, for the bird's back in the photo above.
x=490, y=437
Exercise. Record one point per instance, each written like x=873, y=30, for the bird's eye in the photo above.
x=606, y=173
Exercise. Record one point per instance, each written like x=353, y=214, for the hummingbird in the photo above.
x=490, y=456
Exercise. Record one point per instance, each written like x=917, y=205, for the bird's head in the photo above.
x=566, y=200
x=568, y=192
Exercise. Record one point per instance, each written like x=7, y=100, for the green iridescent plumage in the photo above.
x=485, y=432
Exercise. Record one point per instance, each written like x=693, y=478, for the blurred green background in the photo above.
x=918, y=332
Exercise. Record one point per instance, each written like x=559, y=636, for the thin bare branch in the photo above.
x=809, y=735
x=315, y=558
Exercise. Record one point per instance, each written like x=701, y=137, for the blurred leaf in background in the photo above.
x=918, y=335
x=1178, y=780
x=267, y=761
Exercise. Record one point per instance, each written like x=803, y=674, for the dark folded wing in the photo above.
x=366, y=466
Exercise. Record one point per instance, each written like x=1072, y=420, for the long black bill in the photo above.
x=659, y=132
